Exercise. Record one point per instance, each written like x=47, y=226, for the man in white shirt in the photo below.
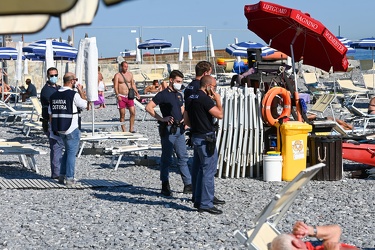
x=65, y=106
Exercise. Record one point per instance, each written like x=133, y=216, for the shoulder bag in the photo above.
x=131, y=94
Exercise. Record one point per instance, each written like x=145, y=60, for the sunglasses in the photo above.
x=54, y=75
x=75, y=79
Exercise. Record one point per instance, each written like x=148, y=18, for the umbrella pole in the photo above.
x=2, y=81
x=373, y=73
x=294, y=67
x=154, y=61
x=93, y=117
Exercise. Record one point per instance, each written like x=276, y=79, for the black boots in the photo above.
x=166, y=189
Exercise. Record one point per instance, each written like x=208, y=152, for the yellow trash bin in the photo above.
x=293, y=148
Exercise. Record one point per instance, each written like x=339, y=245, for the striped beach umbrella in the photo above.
x=7, y=53
x=347, y=44
x=365, y=43
x=240, y=49
x=61, y=50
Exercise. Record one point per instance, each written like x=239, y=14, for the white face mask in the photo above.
x=53, y=79
x=177, y=86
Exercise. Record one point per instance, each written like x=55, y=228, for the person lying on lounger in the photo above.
x=371, y=106
x=329, y=234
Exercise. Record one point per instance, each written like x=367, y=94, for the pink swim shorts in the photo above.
x=125, y=102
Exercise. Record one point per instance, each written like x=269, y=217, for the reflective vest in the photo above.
x=61, y=104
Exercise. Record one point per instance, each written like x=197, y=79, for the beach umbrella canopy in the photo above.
x=18, y=16
x=240, y=49
x=296, y=34
x=364, y=43
x=7, y=53
x=154, y=43
x=61, y=50
x=347, y=44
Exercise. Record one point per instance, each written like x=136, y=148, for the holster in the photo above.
x=210, y=144
x=163, y=130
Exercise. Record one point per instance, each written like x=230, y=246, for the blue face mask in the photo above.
x=53, y=79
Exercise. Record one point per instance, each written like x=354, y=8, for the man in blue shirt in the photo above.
x=30, y=91
x=171, y=130
x=204, y=106
x=201, y=69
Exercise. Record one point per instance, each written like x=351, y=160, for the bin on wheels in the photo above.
x=293, y=148
x=328, y=150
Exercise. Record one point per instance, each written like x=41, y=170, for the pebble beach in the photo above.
x=138, y=217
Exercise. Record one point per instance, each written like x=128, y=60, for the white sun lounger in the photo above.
x=96, y=137
x=264, y=231
x=25, y=153
x=121, y=150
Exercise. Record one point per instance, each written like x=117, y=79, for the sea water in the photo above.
x=361, y=54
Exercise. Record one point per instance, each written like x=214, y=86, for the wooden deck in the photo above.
x=53, y=184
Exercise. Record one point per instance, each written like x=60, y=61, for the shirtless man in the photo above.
x=121, y=91
x=371, y=107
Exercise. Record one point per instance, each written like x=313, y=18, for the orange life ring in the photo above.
x=267, y=102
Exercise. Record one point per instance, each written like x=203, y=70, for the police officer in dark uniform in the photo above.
x=171, y=130
x=203, y=107
x=201, y=69
x=56, y=144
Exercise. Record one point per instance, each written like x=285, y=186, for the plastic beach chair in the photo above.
x=369, y=80
x=312, y=84
x=264, y=231
x=348, y=85
x=322, y=104
x=359, y=115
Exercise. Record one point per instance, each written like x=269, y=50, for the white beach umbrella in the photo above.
x=91, y=73
x=212, y=51
x=80, y=61
x=26, y=66
x=91, y=68
x=181, y=51
x=49, y=54
x=138, y=57
x=190, y=54
x=238, y=58
x=19, y=61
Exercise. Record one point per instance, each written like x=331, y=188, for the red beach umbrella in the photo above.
x=297, y=35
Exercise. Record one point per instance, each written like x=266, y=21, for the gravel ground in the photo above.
x=137, y=217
